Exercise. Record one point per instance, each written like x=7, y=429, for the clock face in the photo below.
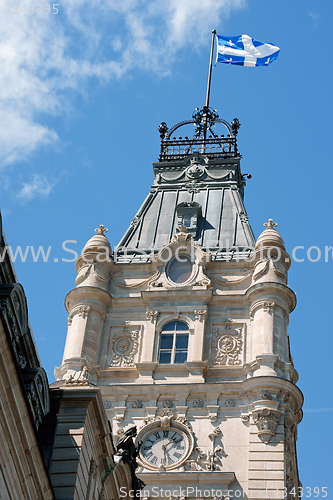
x=164, y=447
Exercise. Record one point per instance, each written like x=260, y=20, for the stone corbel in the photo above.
x=150, y=414
x=266, y=419
x=152, y=316
x=181, y=412
x=119, y=415
x=212, y=412
x=200, y=315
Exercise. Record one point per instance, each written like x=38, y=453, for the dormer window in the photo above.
x=188, y=214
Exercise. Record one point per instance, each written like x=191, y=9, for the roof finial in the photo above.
x=182, y=228
x=270, y=224
x=101, y=229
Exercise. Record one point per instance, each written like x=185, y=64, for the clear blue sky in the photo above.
x=82, y=93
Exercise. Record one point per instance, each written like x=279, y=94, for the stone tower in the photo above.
x=184, y=328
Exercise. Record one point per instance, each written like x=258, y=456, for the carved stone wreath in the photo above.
x=124, y=347
x=228, y=347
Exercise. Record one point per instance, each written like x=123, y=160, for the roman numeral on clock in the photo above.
x=165, y=434
x=177, y=455
x=153, y=460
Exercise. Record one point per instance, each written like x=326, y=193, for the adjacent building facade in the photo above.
x=56, y=443
x=183, y=329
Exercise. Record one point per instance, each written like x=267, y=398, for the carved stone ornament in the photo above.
x=165, y=416
x=101, y=230
x=182, y=244
x=107, y=404
x=268, y=307
x=270, y=224
x=178, y=497
x=137, y=404
x=230, y=403
x=83, y=311
x=227, y=322
x=93, y=470
x=228, y=347
x=197, y=403
x=167, y=404
x=124, y=347
x=195, y=170
x=152, y=281
x=152, y=316
x=78, y=378
x=266, y=420
x=193, y=186
x=200, y=314
x=210, y=460
x=265, y=395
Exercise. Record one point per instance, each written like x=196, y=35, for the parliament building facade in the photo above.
x=177, y=372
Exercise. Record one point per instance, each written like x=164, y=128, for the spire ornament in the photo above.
x=101, y=230
x=270, y=224
x=182, y=229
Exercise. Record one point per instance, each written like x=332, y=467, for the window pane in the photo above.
x=180, y=356
x=165, y=357
x=187, y=221
x=180, y=325
x=169, y=326
x=166, y=341
x=181, y=341
x=179, y=270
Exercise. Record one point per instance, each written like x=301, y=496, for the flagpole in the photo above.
x=208, y=87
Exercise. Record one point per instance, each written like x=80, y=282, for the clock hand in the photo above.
x=172, y=441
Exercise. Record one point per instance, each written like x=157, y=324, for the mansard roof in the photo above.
x=202, y=175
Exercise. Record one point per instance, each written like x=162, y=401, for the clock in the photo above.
x=165, y=448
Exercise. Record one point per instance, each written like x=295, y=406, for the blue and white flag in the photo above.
x=245, y=51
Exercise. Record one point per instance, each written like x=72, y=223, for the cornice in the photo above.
x=87, y=294
x=257, y=291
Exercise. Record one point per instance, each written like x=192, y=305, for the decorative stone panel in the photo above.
x=227, y=347
x=124, y=348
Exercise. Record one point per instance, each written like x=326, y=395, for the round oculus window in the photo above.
x=180, y=268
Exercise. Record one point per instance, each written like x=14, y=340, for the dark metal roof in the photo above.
x=212, y=181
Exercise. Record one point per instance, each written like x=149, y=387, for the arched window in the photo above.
x=173, y=343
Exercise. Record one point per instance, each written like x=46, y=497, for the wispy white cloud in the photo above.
x=43, y=57
x=39, y=186
x=315, y=18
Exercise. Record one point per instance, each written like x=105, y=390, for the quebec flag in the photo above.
x=245, y=51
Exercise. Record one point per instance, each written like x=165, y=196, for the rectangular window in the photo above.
x=173, y=346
